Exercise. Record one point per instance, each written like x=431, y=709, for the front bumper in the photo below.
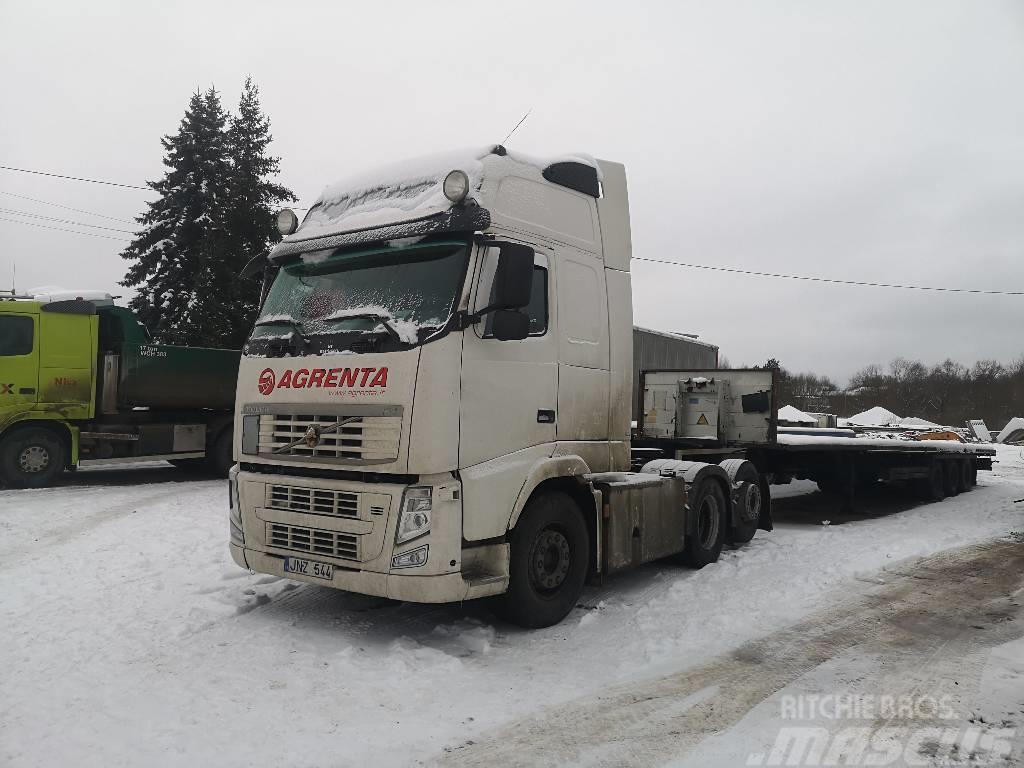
x=442, y=588
x=363, y=564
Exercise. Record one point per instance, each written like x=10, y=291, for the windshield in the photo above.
x=391, y=297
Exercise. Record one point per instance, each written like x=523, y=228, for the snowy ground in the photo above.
x=129, y=637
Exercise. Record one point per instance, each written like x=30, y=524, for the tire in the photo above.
x=219, y=460
x=951, y=472
x=933, y=487
x=747, y=500
x=965, y=466
x=705, y=545
x=549, y=558
x=31, y=458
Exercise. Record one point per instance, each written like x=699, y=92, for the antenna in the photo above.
x=521, y=121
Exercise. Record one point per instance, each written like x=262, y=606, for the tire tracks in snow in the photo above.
x=17, y=552
x=926, y=622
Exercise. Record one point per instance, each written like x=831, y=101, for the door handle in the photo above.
x=27, y=391
x=545, y=417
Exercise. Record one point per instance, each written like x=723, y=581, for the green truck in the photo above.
x=82, y=383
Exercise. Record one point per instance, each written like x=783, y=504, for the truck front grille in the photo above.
x=314, y=501
x=371, y=439
x=313, y=540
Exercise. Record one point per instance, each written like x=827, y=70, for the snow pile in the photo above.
x=916, y=423
x=793, y=415
x=1013, y=432
x=875, y=417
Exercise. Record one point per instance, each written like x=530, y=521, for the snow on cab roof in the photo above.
x=410, y=189
x=50, y=293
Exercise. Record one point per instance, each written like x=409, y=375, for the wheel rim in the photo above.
x=34, y=459
x=550, y=560
x=707, y=522
x=753, y=505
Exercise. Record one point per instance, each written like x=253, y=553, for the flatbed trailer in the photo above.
x=841, y=462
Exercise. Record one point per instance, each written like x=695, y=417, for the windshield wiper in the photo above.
x=293, y=324
x=385, y=320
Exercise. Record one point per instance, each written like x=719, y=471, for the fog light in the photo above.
x=411, y=559
x=456, y=186
x=287, y=221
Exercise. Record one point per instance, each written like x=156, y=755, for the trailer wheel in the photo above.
x=964, y=468
x=951, y=473
x=933, y=487
x=31, y=458
x=550, y=554
x=705, y=545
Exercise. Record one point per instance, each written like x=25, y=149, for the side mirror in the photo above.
x=513, y=277
x=510, y=325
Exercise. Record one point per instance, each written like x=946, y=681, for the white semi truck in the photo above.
x=437, y=400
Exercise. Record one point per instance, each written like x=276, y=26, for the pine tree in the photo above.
x=254, y=200
x=180, y=253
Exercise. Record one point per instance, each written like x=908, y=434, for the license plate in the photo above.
x=308, y=568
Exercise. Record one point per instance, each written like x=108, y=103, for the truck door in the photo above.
x=509, y=388
x=19, y=362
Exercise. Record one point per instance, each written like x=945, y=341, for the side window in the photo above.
x=536, y=310
x=15, y=336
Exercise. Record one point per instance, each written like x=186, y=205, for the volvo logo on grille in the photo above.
x=266, y=384
x=312, y=438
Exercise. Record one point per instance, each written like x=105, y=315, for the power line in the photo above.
x=62, y=229
x=75, y=178
x=64, y=221
x=864, y=283
x=67, y=207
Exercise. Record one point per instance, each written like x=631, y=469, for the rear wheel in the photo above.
x=965, y=466
x=220, y=459
x=31, y=458
x=705, y=545
x=933, y=487
x=747, y=499
x=549, y=556
x=951, y=473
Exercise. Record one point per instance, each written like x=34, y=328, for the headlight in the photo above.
x=414, y=519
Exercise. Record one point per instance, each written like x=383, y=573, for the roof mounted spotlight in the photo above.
x=456, y=186
x=287, y=221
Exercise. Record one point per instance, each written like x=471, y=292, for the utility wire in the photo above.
x=12, y=211
x=75, y=178
x=67, y=207
x=62, y=229
x=864, y=283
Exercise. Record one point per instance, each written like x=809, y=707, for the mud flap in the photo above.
x=764, y=520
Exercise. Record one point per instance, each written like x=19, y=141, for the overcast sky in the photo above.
x=876, y=141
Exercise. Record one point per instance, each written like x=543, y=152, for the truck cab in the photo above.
x=81, y=382
x=438, y=388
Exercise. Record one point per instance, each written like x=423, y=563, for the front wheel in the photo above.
x=31, y=458
x=550, y=553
